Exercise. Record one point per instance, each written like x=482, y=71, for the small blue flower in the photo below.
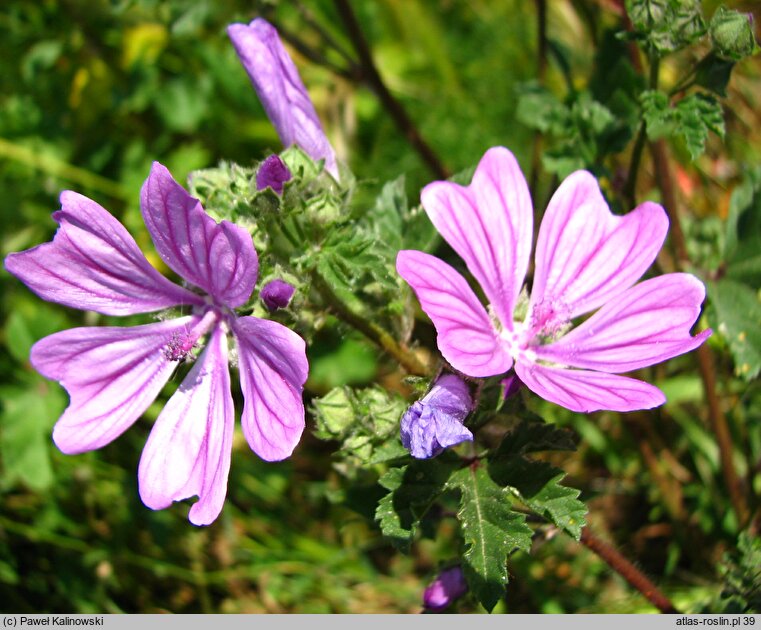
x=435, y=422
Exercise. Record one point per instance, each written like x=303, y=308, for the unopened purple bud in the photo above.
x=273, y=173
x=435, y=421
x=447, y=587
x=276, y=294
x=511, y=385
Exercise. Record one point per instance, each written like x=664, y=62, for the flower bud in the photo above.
x=511, y=385
x=435, y=421
x=273, y=173
x=447, y=587
x=276, y=294
x=732, y=34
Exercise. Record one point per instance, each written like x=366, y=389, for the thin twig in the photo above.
x=352, y=73
x=628, y=571
x=541, y=70
x=705, y=357
x=392, y=105
x=370, y=329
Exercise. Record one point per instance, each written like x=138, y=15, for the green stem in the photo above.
x=371, y=330
x=639, y=144
x=56, y=167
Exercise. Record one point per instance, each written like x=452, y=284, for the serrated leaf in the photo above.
x=334, y=413
x=665, y=26
x=412, y=490
x=735, y=311
x=537, y=483
x=492, y=530
x=692, y=118
x=697, y=115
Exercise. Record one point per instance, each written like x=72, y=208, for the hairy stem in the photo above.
x=393, y=106
x=628, y=571
x=705, y=357
x=371, y=330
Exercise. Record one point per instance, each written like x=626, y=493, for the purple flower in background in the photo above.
x=276, y=294
x=280, y=89
x=435, y=421
x=586, y=259
x=273, y=173
x=447, y=587
x=113, y=374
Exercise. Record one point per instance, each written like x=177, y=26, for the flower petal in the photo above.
x=490, y=225
x=216, y=257
x=647, y=324
x=273, y=369
x=585, y=255
x=112, y=375
x=280, y=89
x=188, y=450
x=466, y=336
x=94, y=264
x=585, y=391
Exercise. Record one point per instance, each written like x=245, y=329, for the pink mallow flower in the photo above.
x=586, y=259
x=280, y=89
x=113, y=374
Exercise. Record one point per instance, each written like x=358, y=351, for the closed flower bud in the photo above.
x=447, y=587
x=272, y=173
x=276, y=294
x=732, y=34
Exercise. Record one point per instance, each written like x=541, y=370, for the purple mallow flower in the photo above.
x=435, y=421
x=586, y=259
x=273, y=173
x=113, y=374
x=447, y=587
x=276, y=294
x=280, y=89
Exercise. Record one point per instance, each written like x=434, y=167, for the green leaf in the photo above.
x=537, y=483
x=665, y=26
x=27, y=416
x=742, y=243
x=692, y=118
x=491, y=530
x=412, y=490
x=697, y=115
x=735, y=311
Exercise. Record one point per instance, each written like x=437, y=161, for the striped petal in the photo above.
x=490, y=225
x=188, y=451
x=216, y=257
x=273, y=369
x=648, y=324
x=94, y=264
x=112, y=375
x=466, y=336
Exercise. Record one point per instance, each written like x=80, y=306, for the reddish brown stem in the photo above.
x=628, y=571
x=705, y=358
x=393, y=106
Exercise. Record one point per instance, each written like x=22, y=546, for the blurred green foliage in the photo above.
x=92, y=92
